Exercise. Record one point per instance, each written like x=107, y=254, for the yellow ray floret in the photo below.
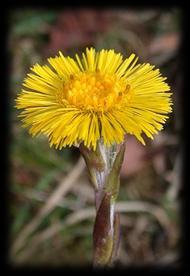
x=96, y=96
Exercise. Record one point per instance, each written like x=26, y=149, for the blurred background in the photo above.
x=51, y=199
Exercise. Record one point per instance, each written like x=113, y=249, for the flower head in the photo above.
x=96, y=96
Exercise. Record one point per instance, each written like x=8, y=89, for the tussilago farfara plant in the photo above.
x=92, y=102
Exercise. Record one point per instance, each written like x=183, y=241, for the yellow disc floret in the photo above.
x=94, y=91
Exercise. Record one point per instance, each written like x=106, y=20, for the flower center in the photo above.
x=94, y=91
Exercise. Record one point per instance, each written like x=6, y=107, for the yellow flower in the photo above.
x=96, y=96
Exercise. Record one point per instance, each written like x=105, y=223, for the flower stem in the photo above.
x=104, y=166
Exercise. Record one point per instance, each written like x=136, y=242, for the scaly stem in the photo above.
x=104, y=166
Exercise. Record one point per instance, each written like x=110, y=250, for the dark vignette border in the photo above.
x=6, y=135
